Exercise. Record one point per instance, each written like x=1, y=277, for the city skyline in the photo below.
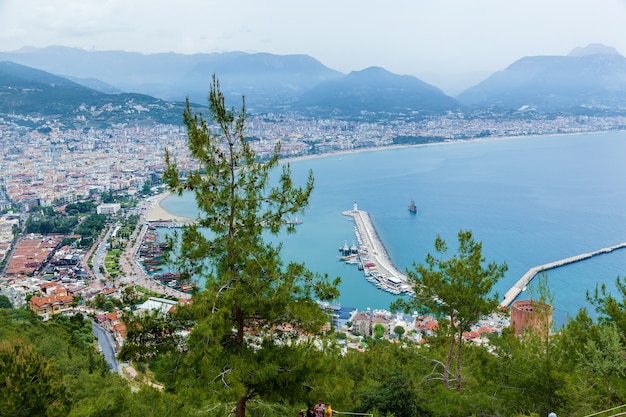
x=412, y=38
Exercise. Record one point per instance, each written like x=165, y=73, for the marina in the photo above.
x=371, y=256
x=150, y=255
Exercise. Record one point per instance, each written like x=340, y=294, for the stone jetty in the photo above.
x=519, y=286
x=376, y=253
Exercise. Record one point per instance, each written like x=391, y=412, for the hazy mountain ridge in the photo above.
x=591, y=77
x=550, y=83
x=266, y=80
x=29, y=91
x=375, y=90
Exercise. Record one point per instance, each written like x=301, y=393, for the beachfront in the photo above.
x=156, y=213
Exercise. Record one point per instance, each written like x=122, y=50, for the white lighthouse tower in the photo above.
x=355, y=209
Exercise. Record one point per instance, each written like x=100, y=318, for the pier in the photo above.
x=376, y=252
x=519, y=286
x=170, y=224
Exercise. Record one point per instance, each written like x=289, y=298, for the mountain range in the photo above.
x=588, y=79
x=28, y=91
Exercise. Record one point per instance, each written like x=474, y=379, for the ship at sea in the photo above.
x=412, y=207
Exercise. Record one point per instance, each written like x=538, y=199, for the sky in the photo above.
x=411, y=37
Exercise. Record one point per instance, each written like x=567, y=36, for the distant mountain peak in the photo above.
x=374, y=70
x=594, y=49
x=590, y=77
x=376, y=90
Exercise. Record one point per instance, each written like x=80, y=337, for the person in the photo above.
x=310, y=412
x=319, y=409
x=328, y=412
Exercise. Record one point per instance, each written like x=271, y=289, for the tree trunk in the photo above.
x=458, y=362
x=240, y=326
x=446, y=370
x=240, y=411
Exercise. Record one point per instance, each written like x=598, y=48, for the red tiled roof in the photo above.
x=40, y=302
x=114, y=316
x=486, y=329
x=120, y=328
x=470, y=335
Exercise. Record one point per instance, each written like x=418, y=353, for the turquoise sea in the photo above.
x=530, y=200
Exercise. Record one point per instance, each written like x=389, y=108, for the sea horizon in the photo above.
x=530, y=200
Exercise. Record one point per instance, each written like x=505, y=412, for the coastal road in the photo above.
x=135, y=273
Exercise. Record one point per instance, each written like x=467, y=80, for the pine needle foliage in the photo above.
x=255, y=316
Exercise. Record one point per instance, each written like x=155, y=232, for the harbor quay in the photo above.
x=371, y=256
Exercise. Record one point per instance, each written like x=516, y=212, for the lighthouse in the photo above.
x=355, y=209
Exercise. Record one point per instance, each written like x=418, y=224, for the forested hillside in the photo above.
x=54, y=369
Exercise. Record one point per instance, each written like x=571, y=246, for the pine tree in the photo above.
x=247, y=341
x=457, y=288
x=29, y=385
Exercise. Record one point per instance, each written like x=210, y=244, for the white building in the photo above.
x=153, y=303
x=108, y=208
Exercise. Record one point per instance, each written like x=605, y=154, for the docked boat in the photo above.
x=412, y=207
x=345, y=249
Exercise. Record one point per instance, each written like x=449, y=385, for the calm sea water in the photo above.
x=530, y=201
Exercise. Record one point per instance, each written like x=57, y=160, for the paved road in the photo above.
x=136, y=274
x=99, y=256
x=106, y=344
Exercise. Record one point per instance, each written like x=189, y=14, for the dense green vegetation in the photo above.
x=45, y=221
x=92, y=225
x=576, y=373
x=54, y=369
x=79, y=218
x=456, y=290
x=80, y=207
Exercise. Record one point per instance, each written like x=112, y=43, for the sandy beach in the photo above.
x=156, y=212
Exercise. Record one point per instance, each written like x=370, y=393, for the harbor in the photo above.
x=370, y=255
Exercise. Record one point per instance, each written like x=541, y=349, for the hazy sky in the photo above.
x=404, y=36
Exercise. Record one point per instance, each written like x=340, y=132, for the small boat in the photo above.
x=412, y=207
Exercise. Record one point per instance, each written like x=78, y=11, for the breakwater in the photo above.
x=374, y=259
x=519, y=286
